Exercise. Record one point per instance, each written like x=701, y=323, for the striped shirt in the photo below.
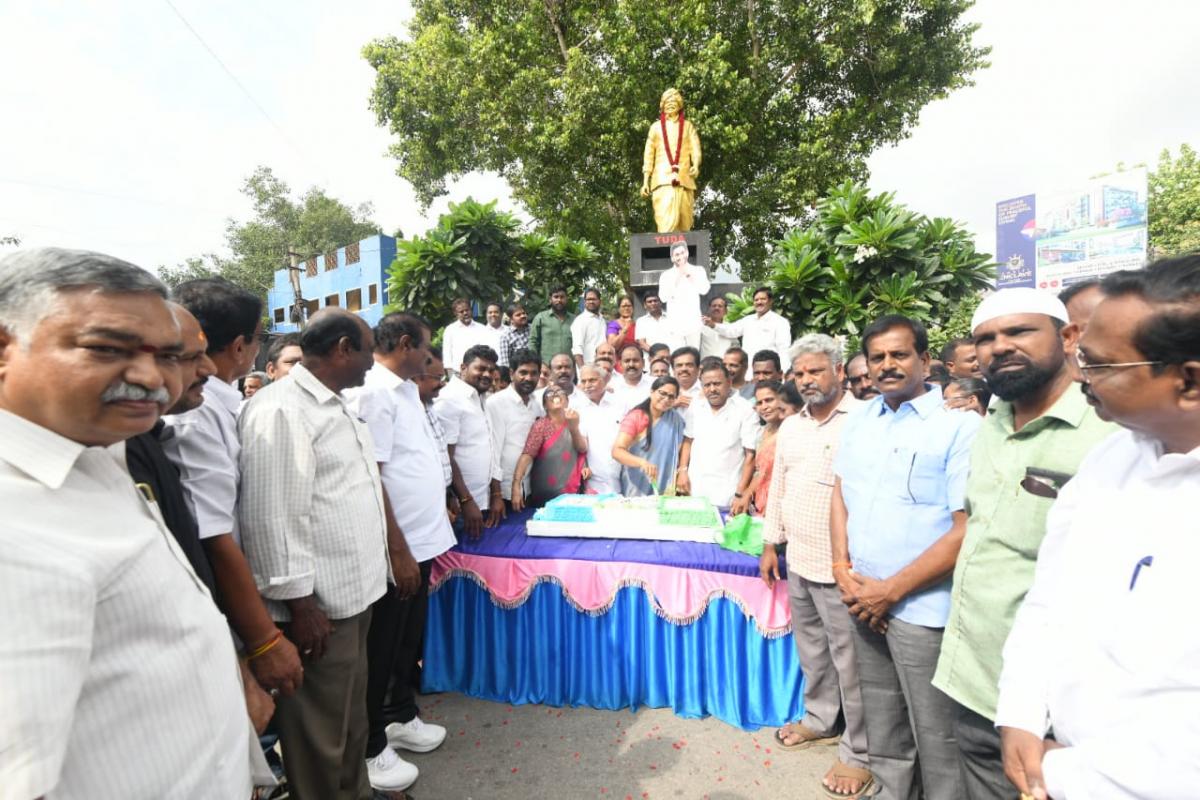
x=801, y=489
x=440, y=435
x=311, y=508
x=117, y=673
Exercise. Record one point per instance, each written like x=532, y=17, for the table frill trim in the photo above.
x=623, y=583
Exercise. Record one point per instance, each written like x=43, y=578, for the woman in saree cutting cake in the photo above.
x=557, y=451
x=648, y=444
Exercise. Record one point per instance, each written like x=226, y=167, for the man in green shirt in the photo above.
x=1030, y=444
x=550, y=331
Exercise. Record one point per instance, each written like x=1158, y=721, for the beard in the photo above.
x=1018, y=384
x=815, y=397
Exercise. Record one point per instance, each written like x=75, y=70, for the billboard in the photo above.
x=1051, y=240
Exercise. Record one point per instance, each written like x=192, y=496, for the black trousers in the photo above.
x=394, y=645
x=979, y=757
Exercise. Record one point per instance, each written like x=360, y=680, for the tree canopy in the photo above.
x=482, y=254
x=789, y=97
x=312, y=224
x=1174, y=213
x=863, y=256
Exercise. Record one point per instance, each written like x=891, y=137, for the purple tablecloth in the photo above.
x=508, y=540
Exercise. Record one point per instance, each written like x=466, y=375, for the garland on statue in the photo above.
x=672, y=160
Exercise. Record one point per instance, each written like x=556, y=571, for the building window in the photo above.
x=352, y=254
x=311, y=307
x=354, y=300
x=280, y=315
x=331, y=261
x=373, y=294
x=310, y=268
x=331, y=300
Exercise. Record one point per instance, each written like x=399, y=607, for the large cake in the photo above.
x=611, y=516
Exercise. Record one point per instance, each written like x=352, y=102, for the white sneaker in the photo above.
x=389, y=772
x=414, y=735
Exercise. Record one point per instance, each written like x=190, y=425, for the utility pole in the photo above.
x=294, y=269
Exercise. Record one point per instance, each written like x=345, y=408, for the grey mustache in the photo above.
x=131, y=391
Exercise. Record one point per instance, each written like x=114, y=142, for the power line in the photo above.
x=278, y=128
x=108, y=195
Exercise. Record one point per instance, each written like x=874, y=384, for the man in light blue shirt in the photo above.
x=896, y=524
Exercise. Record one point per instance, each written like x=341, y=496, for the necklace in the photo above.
x=672, y=160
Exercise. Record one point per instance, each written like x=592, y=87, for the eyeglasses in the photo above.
x=1085, y=369
x=666, y=395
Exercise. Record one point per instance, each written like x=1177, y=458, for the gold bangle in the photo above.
x=266, y=648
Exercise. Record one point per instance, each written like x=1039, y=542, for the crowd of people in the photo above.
x=206, y=565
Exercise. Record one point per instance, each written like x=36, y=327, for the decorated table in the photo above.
x=611, y=623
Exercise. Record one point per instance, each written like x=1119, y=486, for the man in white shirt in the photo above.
x=460, y=409
x=712, y=341
x=685, y=366
x=322, y=544
x=1098, y=654
x=410, y=468
x=681, y=288
x=587, y=329
x=717, y=457
x=464, y=333
x=735, y=360
x=118, y=674
x=633, y=384
x=653, y=327
x=204, y=446
x=599, y=420
x=511, y=413
x=494, y=318
x=765, y=330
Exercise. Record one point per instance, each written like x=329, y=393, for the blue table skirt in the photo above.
x=545, y=651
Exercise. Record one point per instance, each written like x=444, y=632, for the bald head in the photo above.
x=337, y=346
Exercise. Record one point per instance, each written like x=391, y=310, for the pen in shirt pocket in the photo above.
x=1144, y=561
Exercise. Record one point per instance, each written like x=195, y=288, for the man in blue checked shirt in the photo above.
x=897, y=522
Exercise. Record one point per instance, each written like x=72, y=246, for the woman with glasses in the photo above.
x=556, y=450
x=649, y=441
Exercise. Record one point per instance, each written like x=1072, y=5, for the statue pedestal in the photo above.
x=650, y=254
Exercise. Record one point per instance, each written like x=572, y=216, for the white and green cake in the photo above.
x=611, y=516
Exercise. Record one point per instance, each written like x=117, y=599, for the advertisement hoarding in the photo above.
x=1052, y=239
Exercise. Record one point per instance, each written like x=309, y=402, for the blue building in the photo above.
x=353, y=277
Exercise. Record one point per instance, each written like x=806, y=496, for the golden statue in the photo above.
x=671, y=164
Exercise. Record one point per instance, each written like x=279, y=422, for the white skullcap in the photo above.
x=1020, y=300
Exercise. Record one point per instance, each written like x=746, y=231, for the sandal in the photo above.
x=808, y=737
x=841, y=770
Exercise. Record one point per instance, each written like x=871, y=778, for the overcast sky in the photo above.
x=122, y=133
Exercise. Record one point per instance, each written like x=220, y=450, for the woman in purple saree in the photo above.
x=557, y=451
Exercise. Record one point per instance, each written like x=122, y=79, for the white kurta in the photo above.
x=1102, y=650
x=768, y=332
x=680, y=291
x=600, y=423
x=719, y=441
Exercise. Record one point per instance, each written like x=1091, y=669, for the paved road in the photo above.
x=494, y=751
